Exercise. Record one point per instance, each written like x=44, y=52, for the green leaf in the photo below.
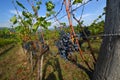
x=13, y=20
x=50, y=6
x=45, y=24
x=77, y=1
x=35, y=26
x=64, y=24
x=41, y=18
x=52, y=12
x=20, y=4
x=39, y=2
x=48, y=14
x=48, y=24
x=25, y=14
x=99, y=16
x=26, y=24
x=29, y=21
x=38, y=7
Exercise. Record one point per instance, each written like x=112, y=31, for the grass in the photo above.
x=14, y=65
x=68, y=70
x=4, y=42
x=11, y=64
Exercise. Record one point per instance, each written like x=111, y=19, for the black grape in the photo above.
x=65, y=45
x=87, y=32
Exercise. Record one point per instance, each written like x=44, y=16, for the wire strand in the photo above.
x=72, y=10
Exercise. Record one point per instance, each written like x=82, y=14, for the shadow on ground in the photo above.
x=56, y=68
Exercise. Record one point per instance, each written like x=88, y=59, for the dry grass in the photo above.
x=14, y=65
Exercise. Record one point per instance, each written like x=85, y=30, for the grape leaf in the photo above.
x=35, y=26
x=49, y=6
x=77, y=1
x=25, y=14
x=39, y=2
x=20, y=4
x=13, y=20
x=41, y=19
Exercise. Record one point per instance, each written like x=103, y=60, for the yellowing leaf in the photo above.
x=13, y=20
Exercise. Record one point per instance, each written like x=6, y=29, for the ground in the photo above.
x=15, y=66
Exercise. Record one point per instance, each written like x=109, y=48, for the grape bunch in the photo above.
x=31, y=46
x=26, y=45
x=82, y=34
x=65, y=46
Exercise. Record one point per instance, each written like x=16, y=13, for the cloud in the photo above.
x=15, y=12
x=87, y=18
x=88, y=15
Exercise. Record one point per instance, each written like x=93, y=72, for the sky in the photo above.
x=91, y=11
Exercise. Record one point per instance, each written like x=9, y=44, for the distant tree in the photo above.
x=97, y=28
